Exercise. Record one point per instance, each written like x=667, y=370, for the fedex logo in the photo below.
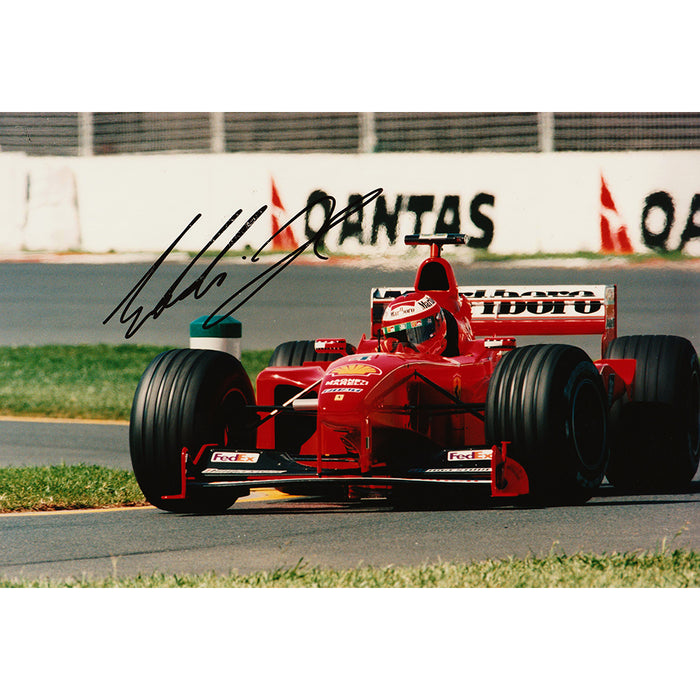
x=468, y=455
x=240, y=457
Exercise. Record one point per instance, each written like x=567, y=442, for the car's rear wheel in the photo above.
x=549, y=404
x=188, y=398
x=656, y=433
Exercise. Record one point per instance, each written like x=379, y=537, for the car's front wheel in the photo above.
x=549, y=404
x=188, y=398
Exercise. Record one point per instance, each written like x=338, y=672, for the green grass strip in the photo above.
x=677, y=569
x=81, y=381
x=66, y=487
x=660, y=256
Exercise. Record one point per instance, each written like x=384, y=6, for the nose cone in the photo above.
x=347, y=383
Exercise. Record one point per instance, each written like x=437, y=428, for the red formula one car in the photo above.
x=436, y=400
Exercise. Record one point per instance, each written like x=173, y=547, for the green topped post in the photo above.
x=225, y=335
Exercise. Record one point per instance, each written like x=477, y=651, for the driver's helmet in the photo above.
x=413, y=322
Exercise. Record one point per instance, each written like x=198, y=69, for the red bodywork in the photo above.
x=376, y=420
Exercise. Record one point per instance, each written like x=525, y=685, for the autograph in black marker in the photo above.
x=136, y=318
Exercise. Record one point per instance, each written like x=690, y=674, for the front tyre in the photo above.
x=549, y=403
x=187, y=398
x=656, y=433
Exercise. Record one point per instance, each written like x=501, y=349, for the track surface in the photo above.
x=28, y=442
x=67, y=303
x=48, y=304
x=264, y=535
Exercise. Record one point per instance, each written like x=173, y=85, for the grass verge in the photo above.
x=677, y=569
x=81, y=381
x=67, y=487
x=639, y=258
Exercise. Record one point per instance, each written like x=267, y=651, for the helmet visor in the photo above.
x=411, y=333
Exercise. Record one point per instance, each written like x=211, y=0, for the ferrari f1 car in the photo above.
x=438, y=398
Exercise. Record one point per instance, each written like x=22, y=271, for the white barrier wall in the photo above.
x=13, y=197
x=504, y=203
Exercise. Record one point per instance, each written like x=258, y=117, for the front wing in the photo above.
x=219, y=467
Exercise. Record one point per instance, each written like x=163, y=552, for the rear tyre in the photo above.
x=549, y=403
x=656, y=434
x=188, y=398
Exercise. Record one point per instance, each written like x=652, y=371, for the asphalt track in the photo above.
x=266, y=534
x=60, y=303
x=50, y=304
x=35, y=442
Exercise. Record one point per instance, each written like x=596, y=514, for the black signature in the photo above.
x=198, y=288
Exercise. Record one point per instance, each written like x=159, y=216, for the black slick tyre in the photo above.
x=549, y=404
x=656, y=433
x=187, y=398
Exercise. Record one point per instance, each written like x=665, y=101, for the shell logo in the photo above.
x=355, y=368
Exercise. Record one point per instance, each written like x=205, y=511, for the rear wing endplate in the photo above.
x=499, y=311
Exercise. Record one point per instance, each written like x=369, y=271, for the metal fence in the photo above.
x=102, y=133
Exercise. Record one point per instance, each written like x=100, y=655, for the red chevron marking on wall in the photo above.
x=284, y=240
x=613, y=231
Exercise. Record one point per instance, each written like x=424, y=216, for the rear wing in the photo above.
x=504, y=311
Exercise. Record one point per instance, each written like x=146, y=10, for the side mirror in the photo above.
x=339, y=345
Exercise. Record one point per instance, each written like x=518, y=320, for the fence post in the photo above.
x=368, y=133
x=545, y=131
x=85, y=134
x=218, y=132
